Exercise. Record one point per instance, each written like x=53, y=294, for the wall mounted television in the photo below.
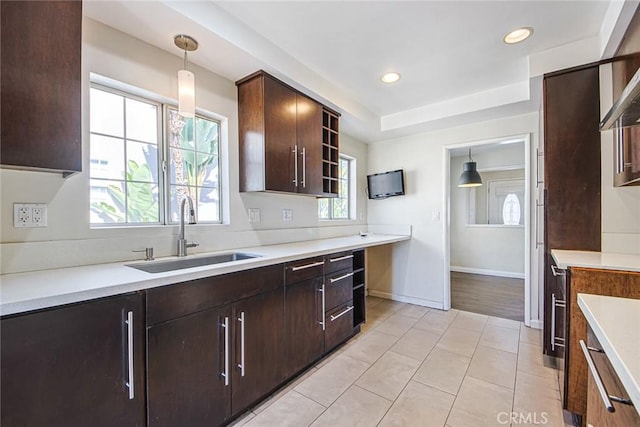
x=386, y=184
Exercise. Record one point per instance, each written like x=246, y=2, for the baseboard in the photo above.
x=536, y=324
x=484, y=272
x=407, y=299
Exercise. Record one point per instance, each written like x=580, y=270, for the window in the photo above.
x=139, y=177
x=340, y=207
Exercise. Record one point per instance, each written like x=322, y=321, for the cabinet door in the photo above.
x=70, y=366
x=304, y=317
x=41, y=70
x=258, y=359
x=309, y=139
x=280, y=137
x=186, y=370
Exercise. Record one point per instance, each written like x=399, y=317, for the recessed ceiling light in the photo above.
x=390, y=77
x=516, y=36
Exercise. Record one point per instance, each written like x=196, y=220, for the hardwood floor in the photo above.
x=491, y=295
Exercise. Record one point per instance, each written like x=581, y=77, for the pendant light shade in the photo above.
x=186, y=79
x=470, y=176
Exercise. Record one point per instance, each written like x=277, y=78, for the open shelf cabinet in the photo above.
x=330, y=150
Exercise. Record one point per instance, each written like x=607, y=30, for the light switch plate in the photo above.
x=287, y=214
x=254, y=214
x=29, y=215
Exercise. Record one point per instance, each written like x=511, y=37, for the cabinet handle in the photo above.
x=555, y=341
x=558, y=271
x=344, y=276
x=295, y=165
x=596, y=378
x=304, y=267
x=130, y=371
x=225, y=374
x=342, y=258
x=324, y=320
x=342, y=313
x=304, y=167
x=241, y=365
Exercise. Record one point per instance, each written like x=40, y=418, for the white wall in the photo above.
x=485, y=248
x=69, y=240
x=620, y=205
x=418, y=265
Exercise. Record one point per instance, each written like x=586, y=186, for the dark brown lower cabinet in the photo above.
x=186, y=363
x=206, y=367
x=304, y=317
x=339, y=325
x=258, y=348
x=71, y=366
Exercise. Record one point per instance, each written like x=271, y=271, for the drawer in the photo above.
x=338, y=261
x=597, y=415
x=180, y=299
x=297, y=271
x=338, y=288
x=339, y=326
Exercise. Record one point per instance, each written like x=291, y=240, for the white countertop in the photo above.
x=601, y=260
x=21, y=292
x=616, y=324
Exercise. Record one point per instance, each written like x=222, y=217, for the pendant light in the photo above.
x=186, y=79
x=470, y=176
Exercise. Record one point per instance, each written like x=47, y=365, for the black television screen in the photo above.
x=387, y=184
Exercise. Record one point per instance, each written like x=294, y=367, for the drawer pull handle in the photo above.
x=304, y=267
x=342, y=313
x=324, y=320
x=596, y=376
x=337, y=279
x=557, y=271
x=130, y=358
x=241, y=319
x=225, y=375
x=342, y=258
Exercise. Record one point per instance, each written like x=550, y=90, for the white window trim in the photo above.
x=352, y=198
x=114, y=86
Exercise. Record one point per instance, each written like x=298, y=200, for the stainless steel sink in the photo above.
x=179, y=264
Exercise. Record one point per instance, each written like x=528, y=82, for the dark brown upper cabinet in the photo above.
x=283, y=139
x=626, y=141
x=41, y=84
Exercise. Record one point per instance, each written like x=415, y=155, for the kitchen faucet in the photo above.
x=182, y=242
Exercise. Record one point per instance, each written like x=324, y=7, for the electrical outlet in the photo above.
x=287, y=214
x=29, y=215
x=254, y=214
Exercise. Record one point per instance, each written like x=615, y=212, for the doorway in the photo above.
x=487, y=229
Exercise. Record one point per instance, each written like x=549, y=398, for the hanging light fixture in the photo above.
x=186, y=79
x=470, y=176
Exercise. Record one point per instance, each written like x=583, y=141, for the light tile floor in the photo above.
x=413, y=366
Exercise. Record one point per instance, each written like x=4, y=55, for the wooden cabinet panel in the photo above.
x=599, y=282
x=338, y=261
x=308, y=268
x=186, y=363
x=338, y=288
x=172, y=301
x=339, y=325
x=597, y=414
x=572, y=177
x=305, y=337
x=69, y=366
x=309, y=137
x=281, y=137
x=40, y=79
x=259, y=357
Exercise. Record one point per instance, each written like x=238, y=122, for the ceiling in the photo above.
x=455, y=68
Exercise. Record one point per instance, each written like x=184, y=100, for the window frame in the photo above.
x=163, y=134
x=167, y=165
x=351, y=192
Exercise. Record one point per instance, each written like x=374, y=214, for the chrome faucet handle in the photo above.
x=192, y=244
x=148, y=253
